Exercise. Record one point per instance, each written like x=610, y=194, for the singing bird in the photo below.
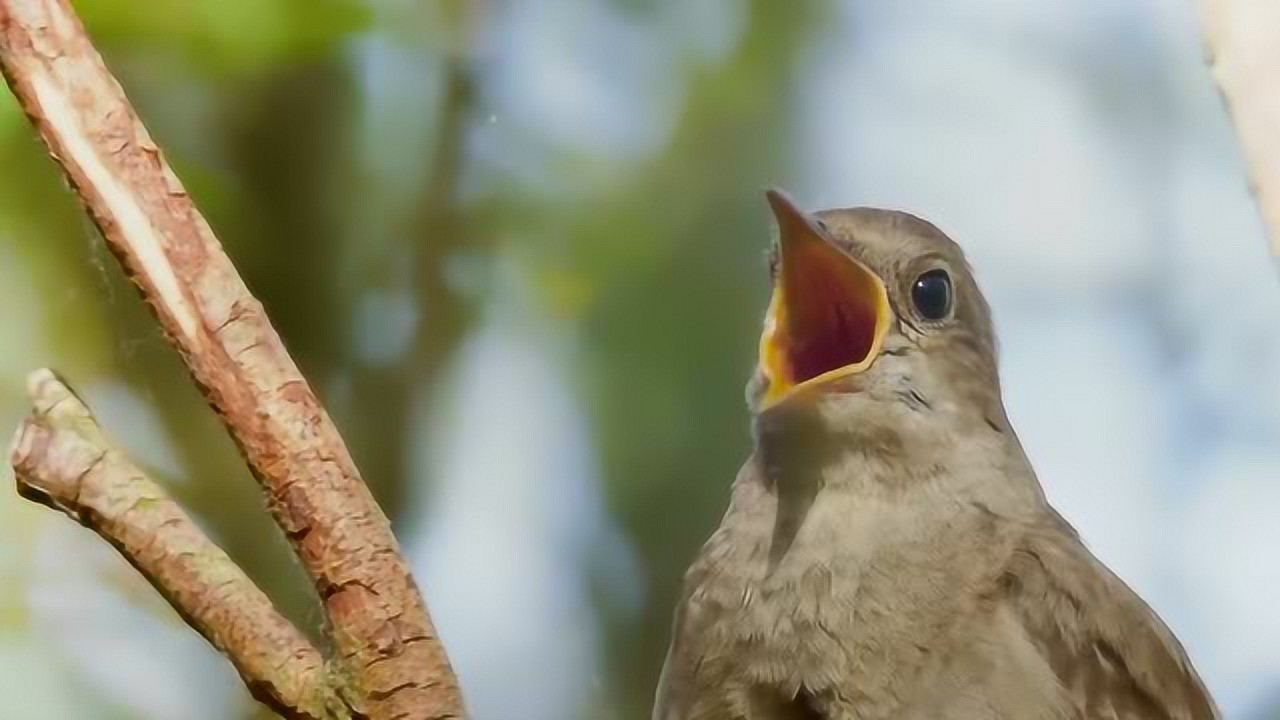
x=888, y=553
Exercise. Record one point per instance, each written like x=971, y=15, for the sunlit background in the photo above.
x=518, y=248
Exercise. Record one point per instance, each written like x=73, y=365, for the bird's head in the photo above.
x=876, y=306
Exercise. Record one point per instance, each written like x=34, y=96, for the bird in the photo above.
x=888, y=552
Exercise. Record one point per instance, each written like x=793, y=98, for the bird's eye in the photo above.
x=931, y=294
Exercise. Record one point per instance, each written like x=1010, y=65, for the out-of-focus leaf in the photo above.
x=10, y=115
x=228, y=34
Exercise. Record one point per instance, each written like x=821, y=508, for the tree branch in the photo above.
x=387, y=646
x=1243, y=39
x=62, y=459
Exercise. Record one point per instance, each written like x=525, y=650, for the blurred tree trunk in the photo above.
x=436, y=233
x=671, y=452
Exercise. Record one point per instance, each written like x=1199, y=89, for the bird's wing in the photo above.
x=1112, y=654
x=672, y=695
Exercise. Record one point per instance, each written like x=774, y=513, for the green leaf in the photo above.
x=226, y=35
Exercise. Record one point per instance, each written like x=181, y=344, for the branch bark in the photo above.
x=61, y=459
x=387, y=648
x=1243, y=41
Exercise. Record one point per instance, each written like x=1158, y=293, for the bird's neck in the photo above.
x=806, y=447
x=871, y=451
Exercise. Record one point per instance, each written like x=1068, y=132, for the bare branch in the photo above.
x=61, y=459
x=387, y=645
x=1243, y=39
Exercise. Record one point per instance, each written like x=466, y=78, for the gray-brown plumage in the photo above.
x=888, y=553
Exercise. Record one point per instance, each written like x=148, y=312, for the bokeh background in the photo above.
x=518, y=248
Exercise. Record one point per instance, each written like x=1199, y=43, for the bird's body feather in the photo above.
x=937, y=607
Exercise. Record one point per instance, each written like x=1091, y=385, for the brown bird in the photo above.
x=888, y=553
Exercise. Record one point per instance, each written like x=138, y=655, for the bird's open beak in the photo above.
x=828, y=315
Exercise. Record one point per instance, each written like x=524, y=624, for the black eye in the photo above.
x=931, y=294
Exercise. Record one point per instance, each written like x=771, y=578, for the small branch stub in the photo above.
x=62, y=459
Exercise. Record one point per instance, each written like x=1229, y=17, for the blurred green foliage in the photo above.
x=228, y=36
